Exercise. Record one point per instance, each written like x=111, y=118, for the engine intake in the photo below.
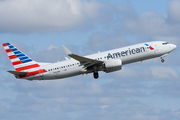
x=112, y=65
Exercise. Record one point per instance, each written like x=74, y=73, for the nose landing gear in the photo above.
x=162, y=60
x=96, y=75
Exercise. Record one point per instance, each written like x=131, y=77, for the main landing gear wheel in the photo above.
x=96, y=75
x=162, y=60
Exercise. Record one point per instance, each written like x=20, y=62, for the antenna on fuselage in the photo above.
x=66, y=58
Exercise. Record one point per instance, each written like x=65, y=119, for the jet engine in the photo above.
x=112, y=65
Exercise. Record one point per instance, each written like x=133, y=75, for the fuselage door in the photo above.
x=156, y=49
x=41, y=73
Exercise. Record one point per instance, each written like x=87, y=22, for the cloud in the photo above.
x=168, y=88
x=24, y=16
x=60, y=98
x=160, y=72
x=134, y=72
x=105, y=41
x=134, y=109
x=51, y=46
x=150, y=23
x=50, y=54
x=174, y=11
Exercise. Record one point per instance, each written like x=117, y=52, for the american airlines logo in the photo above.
x=150, y=47
x=126, y=52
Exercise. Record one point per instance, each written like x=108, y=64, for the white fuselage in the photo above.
x=129, y=54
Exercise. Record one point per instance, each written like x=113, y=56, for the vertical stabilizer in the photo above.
x=20, y=61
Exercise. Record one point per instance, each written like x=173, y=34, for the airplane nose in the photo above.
x=173, y=46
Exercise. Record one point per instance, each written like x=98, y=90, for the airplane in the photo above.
x=108, y=61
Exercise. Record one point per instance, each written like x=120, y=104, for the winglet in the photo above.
x=67, y=50
x=80, y=58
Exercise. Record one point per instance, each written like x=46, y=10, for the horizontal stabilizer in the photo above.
x=17, y=72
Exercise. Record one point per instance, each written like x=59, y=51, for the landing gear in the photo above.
x=96, y=75
x=162, y=60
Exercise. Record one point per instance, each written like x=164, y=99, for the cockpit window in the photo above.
x=165, y=43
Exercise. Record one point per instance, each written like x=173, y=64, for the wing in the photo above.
x=87, y=62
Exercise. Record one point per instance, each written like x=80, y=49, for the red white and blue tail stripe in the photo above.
x=20, y=61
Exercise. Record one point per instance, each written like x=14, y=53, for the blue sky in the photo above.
x=140, y=91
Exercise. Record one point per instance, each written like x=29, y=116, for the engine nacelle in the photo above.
x=112, y=65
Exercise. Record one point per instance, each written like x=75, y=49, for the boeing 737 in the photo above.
x=108, y=61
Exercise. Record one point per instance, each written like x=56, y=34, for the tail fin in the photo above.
x=20, y=61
